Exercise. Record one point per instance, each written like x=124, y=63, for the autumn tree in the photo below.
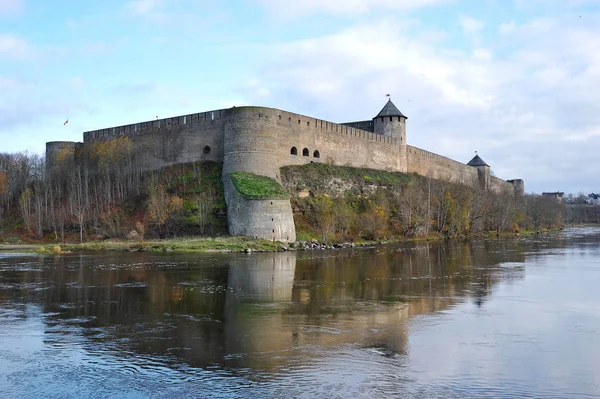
x=162, y=207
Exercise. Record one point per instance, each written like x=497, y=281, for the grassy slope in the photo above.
x=253, y=186
x=315, y=176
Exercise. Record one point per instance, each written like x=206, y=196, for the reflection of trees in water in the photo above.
x=245, y=308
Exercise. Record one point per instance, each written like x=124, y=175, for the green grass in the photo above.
x=257, y=187
x=189, y=244
x=314, y=175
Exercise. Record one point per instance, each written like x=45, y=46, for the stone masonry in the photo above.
x=262, y=140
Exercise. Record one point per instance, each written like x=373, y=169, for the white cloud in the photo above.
x=13, y=47
x=296, y=8
x=523, y=109
x=144, y=7
x=11, y=6
x=470, y=25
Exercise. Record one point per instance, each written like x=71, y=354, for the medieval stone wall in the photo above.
x=432, y=165
x=59, y=153
x=164, y=142
x=248, y=136
x=261, y=140
x=302, y=139
x=500, y=186
x=266, y=219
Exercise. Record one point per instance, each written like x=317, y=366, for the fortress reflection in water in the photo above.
x=260, y=311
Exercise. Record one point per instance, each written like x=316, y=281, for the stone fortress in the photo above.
x=261, y=140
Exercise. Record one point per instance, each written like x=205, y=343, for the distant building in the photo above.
x=593, y=199
x=556, y=196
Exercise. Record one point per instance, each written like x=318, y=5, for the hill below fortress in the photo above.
x=253, y=144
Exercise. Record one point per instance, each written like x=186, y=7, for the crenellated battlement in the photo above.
x=261, y=140
x=157, y=125
x=189, y=120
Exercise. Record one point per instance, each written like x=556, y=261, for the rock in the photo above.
x=248, y=250
x=283, y=247
x=292, y=245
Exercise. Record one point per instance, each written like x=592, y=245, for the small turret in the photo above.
x=391, y=122
x=483, y=170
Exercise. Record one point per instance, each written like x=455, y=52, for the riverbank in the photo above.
x=233, y=244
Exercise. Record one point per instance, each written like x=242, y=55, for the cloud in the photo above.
x=8, y=7
x=182, y=16
x=524, y=108
x=470, y=25
x=13, y=47
x=144, y=7
x=26, y=112
x=295, y=8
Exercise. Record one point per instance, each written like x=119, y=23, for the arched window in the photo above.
x=316, y=154
x=206, y=150
x=305, y=152
x=294, y=151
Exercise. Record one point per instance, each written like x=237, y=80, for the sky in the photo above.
x=518, y=81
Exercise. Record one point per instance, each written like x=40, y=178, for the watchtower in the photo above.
x=390, y=122
x=483, y=170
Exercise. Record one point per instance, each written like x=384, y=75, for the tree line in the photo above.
x=99, y=190
x=412, y=206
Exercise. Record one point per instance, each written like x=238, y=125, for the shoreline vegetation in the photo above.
x=98, y=199
x=236, y=244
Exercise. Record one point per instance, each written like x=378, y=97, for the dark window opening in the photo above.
x=305, y=152
x=398, y=119
x=307, y=123
x=390, y=118
x=316, y=154
x=206, y=150
x=279, y=117
x=294, y=151
x=299, y=121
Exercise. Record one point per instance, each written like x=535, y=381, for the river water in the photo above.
x=499, y=319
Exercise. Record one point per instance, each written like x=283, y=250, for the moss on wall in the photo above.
x=252, y=186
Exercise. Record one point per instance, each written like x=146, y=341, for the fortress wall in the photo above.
x=500, y=186
x=266, y=219
x=250, y=143
x=182, y=139
x=189, y=138
x=429, y=164
x=335, y=143
x=60, y=153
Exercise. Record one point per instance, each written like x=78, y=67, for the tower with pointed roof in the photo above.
x=390, y=122
x=483, y=170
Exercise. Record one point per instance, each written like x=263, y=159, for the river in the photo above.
x=515, y=318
